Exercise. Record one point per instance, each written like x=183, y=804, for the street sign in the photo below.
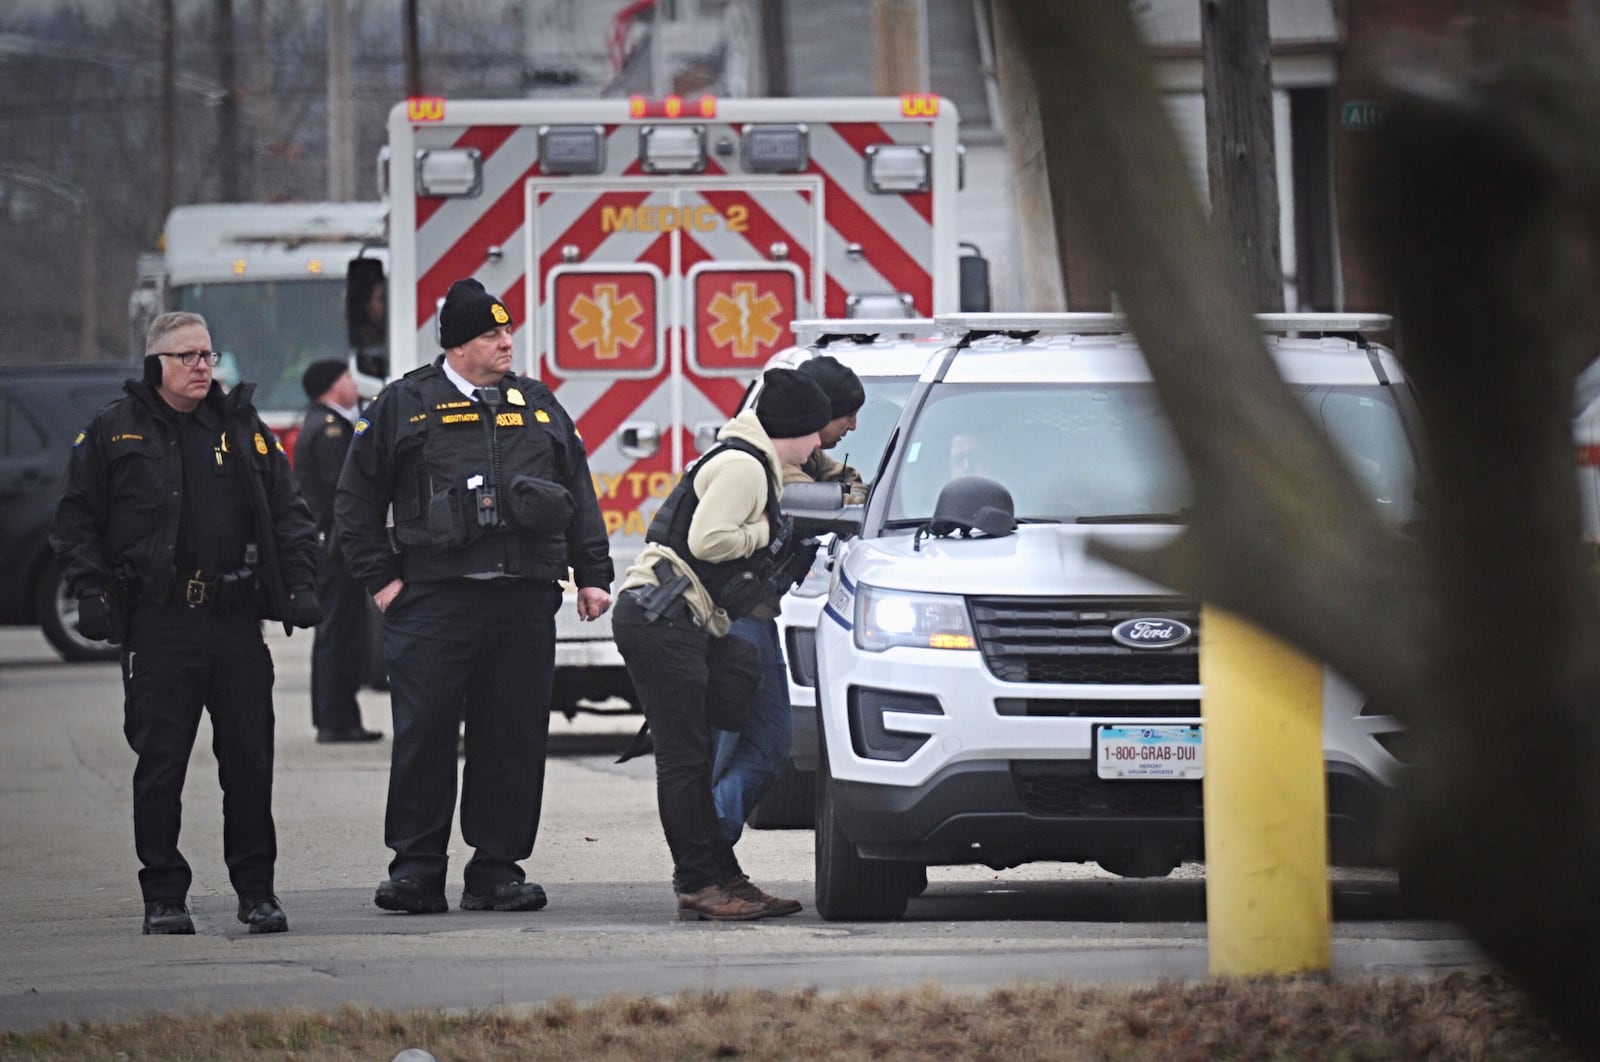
x=1362, y=116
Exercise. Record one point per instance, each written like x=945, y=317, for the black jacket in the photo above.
x=419, y=446
x=117, y=522
x=318, y=458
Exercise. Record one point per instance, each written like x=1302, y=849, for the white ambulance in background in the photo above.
x=653, y=253
x=269, y=278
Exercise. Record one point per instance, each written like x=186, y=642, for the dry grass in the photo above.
x=1455, y=1017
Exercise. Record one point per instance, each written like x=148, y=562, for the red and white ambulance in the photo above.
x=654, y=253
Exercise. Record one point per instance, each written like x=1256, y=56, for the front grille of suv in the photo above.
x=1068, y=640
x=1070, y=788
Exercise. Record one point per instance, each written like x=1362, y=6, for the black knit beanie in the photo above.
x=468, y=312
x=320, y=375
x=791, y=405
x=838, y=382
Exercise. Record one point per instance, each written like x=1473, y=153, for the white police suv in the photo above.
x=887, y=355
x=978, y=668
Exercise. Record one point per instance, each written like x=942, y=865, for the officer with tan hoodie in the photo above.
x=716, y=551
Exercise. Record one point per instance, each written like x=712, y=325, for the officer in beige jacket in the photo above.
x=719, y=549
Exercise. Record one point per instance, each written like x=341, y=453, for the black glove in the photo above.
x=304, y=608
x=94, y=617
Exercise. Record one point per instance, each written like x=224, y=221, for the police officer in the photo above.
x=180, y=529
x=846, y=396
x=718, y=549
x=492, y=502
x=339, y=653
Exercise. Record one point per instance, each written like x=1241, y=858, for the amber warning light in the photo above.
x=425, y=108
x=672, y=107
x=919, y=105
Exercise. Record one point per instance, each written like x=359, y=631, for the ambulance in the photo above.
x=654, y=253
x=269, y=278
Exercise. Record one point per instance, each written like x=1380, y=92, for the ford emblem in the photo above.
x=1151, y=632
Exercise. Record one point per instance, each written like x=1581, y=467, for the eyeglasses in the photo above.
x=191, y=358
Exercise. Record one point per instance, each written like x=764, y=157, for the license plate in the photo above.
x=1160, y=752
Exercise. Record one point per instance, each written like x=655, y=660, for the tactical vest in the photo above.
x=737, y=586
x=513, y=518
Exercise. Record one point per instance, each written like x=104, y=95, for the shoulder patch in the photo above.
x=362, y=425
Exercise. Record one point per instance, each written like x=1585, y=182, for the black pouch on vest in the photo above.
x=539, y=506
x=733, y=669
x=445, y=524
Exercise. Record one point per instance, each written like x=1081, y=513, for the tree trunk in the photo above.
x=1480, y=630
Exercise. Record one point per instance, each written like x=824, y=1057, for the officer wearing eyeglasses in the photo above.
x=181, y=528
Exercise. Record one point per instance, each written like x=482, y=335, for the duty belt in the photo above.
x=197, y=589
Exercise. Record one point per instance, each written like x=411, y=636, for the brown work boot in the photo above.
x=743, y=888
x=715, y=904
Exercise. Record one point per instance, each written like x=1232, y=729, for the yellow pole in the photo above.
x=1266, y=818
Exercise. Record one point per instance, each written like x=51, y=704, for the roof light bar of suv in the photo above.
x=960, y=324
x=811, y=331
x=1325, y=322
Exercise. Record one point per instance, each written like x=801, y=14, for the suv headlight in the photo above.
x=887, y=618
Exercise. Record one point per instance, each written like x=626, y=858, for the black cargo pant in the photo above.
x=178, y=661
x=667, y=662
x=482, y=650
x=339, y=654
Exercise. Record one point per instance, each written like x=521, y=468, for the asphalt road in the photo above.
x=69, y=920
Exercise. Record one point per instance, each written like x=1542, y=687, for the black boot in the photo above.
x=167, y=916
x=262, y=914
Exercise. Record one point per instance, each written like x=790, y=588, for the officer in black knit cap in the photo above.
x=846, y=396
x=339, y=653
x=493, y=504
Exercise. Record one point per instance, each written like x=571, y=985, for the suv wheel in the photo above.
x=58, y=618
x=791, y=803
x=849, y=888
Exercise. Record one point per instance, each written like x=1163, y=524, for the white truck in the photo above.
x=269, y=278
x=653, y=253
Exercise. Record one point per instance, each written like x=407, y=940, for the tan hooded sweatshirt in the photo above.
x=730, y=521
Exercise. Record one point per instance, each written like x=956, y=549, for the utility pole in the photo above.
x=169, y=107
x=899, y=46
x=341, y=145
x=775, y=46
x=413, y=51
x=1042, y=284
x=228, y=118
x=1236, y=50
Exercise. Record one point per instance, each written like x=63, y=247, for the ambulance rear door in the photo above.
x=659, y=302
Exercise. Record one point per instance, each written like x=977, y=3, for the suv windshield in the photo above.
x=1091, y=451
x=268, y=331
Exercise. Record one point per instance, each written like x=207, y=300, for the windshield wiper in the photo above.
x=1181, y=516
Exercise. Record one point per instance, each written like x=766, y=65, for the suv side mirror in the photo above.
x=366, y=315
x=819, y=509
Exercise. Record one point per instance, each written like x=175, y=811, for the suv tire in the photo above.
x=849, y=888
x=58, y=619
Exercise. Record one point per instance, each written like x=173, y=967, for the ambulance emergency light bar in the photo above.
x=572, y=149
x=775, y=148
x=672, y=148
x=454, y=172
x=899, y=168
x=812, y=330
